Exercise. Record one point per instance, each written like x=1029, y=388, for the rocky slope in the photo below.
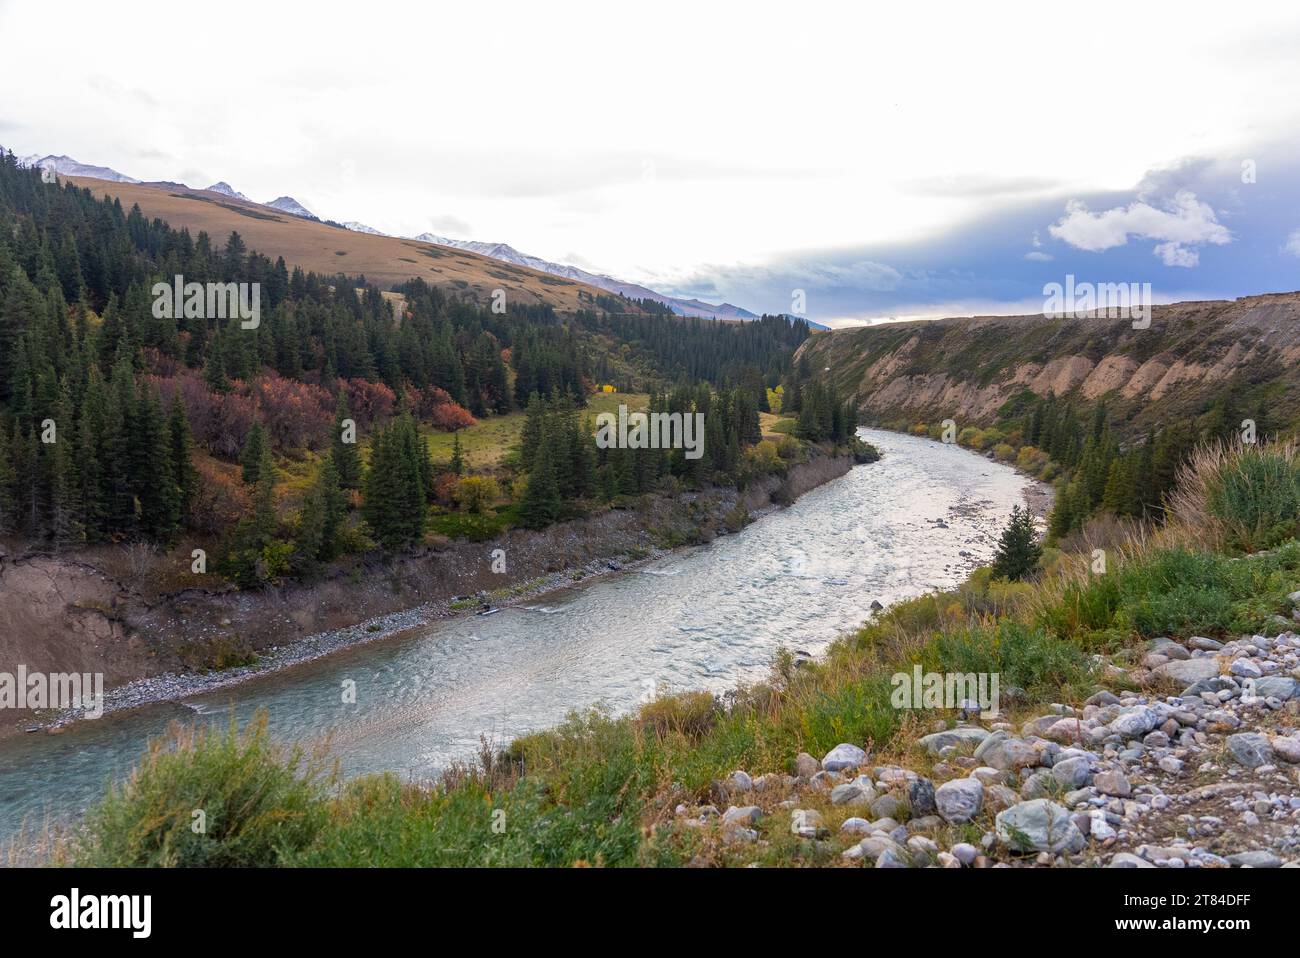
x=965, y=369
x=1208, y=777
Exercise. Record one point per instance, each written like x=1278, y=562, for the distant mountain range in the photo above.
x=67, y=166
x=227, y=190
x=508, y=254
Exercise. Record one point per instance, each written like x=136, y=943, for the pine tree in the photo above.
x=396, y=504
x=264, y=520
x=541, y=504
x=66, y=524
x=1018, y=550
x=250, y=460
x=182, y=459
x=347, y=459
x=457, y=465
x=8, y=479
x=155, y=481
x=319, y=522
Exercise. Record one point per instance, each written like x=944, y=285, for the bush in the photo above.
x=260, y=803
x=476, y=493
x=1176, y=592
x=1245, y=498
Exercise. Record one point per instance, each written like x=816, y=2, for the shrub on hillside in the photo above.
x=1242, y=497
x=259, y=802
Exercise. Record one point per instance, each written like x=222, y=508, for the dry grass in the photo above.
x=314, y=246
x=1239, y=497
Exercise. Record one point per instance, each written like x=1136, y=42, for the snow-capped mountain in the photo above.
x=508, y=254
x=287, y=204
x=67, y=166
x=226, y=189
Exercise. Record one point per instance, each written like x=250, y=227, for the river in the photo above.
x=704, y=617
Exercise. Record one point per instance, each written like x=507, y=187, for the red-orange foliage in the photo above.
x=219, y=421
x=444, y=488
x=222, y=499
x=370, y=402
x=295, y=414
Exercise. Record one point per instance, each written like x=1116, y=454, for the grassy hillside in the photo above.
x=325, y=249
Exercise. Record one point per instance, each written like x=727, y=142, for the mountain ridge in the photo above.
x=968, y=368
x=503, y=252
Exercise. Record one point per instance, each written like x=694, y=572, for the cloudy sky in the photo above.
x=932, y=159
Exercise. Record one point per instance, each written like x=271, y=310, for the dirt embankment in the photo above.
x=63, y=613
x=1170, y=369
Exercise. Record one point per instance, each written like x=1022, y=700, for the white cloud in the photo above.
x=1185, y=222
x=1039, y=257
x=1174, y=254
x=1293, y=243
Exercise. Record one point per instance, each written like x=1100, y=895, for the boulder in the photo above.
x=1277, y=686
x=1250, y=749
x=959, y=800
x=844, y=756
x=1038, y=825
x=741, y=815
x=957, y=737
x=1113, y=783
x=920, y=798
x=1072, y=772
x=1189, y=671
x=856, y=792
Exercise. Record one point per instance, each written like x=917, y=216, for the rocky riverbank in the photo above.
x=1191, y=759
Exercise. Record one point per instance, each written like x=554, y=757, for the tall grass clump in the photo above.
x=204, y=798
x=1175, y=591
x=1244, y=498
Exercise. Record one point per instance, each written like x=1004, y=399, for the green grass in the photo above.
x=1177, y=593
x=203, y=798
x=485, y=444
x=1256, y=494
x=475, y=528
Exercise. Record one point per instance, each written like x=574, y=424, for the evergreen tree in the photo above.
x=346, y=456
x=321, y=518
x=541, y=504
x=1018, y=550
x=8, y=480
x=395, y=485
x=182, y=459
x=255, y=451
x=457, y=465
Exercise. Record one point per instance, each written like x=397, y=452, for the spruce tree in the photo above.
x=1018, y=550
x=8, y=479
x=457, y=464
x=347, y=458
x=250, y=459
x=541, y=504
x=182, y=459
